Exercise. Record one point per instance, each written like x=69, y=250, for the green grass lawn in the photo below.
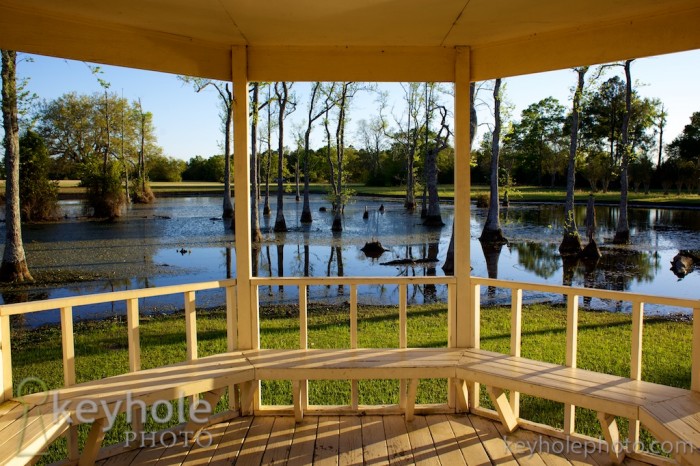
x=604, y=346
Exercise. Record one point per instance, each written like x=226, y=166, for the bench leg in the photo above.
x=612, y=436
x=298, y=394
x=248, y=390
x=462, y=392
x=502, y=404
x=93, y=442
x=212, y=399
x=411, y=399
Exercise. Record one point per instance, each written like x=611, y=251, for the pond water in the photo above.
x=183, y=239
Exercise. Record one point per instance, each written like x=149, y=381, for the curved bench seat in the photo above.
x=672, y=414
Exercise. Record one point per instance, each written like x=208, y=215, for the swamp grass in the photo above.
x=603, y=345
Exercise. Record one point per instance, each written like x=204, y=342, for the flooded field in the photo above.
x=180, y=240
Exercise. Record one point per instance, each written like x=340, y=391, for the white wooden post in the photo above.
x=571, y=350
x=5, y=358
x=466, y=327
x=516, y=318
x=68, y=347
x=636, y=365
x=695, y=371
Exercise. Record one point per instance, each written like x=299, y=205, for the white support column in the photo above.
x=467, y=324
x=247, y=335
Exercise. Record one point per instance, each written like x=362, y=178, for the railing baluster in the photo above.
x=516, y=318
x=354, y=386
x=68, y=347
x=232, y=339
x=303, y=341
x=451, y=343
x=636, y=364
x=191, y=331
x=403, y=306
x=571, y=350
x=695, y=375
x=133, y=334
x=190, y=325
x=303, y=319
x=5, y=357
x=475, y=338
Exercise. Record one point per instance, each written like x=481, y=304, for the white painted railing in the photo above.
x=131, y=297
x=572, y=301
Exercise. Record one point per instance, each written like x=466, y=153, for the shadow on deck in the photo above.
x=354, y=440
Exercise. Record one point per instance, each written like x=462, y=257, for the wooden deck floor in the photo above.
x=354, y=440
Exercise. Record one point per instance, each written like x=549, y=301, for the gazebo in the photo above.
x=456, y=41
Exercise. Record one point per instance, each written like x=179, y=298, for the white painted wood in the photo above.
x=695, y=375
x=132, y=329
x=5, y=359
x=114, y=296
x=403, y=309
x=241, y=185
x=589, y=292
x=303, y=318
x=353, y=316
x=608, y=424
x=571, y=350
x=505, y=413
x=190, y=325
x=516, y=330
x=231, y=319
x=636, y=365
x=465, y=318
x=68, y=346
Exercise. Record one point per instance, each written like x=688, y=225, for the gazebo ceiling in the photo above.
x=292, y=39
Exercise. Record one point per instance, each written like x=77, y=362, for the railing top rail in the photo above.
x=98, y=298
x=592, y=292
x=315, y=281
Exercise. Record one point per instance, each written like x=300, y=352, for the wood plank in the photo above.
x=148, y=456
x=327, y=441
x=374, y=447
x=350, y=442
x=445, y=441
x=523, y=451
x=492, y=441
x=204, y=446
x=505, y=413
x=398, y=444
x=255, y=443
x=125, y=458
x=546, y=446
x=424, y=453
x=280, y=441
x=468, y=440
x=303, y=442
x=230, y=444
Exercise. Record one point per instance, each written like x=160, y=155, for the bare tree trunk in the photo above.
x=228, y=203
x=492, y=228
x=340, y=154
x=448, y=267
x=622, y=233
x=256, y=234
x=14, y=263
x=306, y=209
x=433, y=216
x=571, y=243
x=266, y=207
x=282, y=94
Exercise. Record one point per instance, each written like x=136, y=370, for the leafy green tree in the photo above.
x=38, y=195
x=537, y=139
x=163, y=168
x=201, y=169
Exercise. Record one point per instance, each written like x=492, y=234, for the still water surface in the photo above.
x=181, y=240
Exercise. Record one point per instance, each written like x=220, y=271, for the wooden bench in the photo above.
x=49, y=414
x=677, y=422
x=608, y=395
x=672, y=414
x=409, y=364
x=25, y=430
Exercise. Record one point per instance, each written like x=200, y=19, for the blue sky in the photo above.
x=187, y=123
